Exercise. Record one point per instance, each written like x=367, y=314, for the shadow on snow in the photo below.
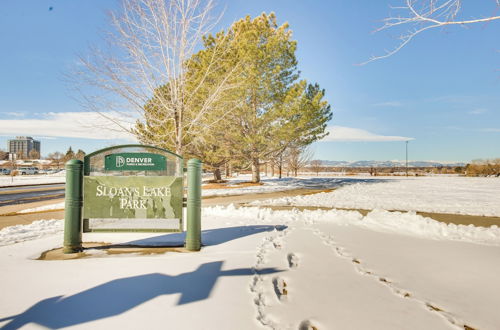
x=118, y=296
x=322, y=183
x=208, y=236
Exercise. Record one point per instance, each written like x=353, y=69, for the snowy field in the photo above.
x=26, y=180
x=270, y=185
x=439, y=194
x=264, y=269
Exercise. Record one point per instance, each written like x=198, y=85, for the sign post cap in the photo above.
x=74, y=162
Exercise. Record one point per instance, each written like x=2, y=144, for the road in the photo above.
x=29, y=194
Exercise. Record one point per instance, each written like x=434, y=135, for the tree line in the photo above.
x=57, y=158
x=483, y=167
x=236, y=98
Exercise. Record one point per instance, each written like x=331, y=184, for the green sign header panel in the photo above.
x=139, y=197
x=135, y=161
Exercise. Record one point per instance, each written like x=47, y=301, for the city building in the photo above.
x=22, y=146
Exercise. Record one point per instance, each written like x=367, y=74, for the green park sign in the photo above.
x=131, y=188
x=135, y=161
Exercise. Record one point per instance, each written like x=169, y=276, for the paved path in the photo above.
x=10, y=217
x=28, y=194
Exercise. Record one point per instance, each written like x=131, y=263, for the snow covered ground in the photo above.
x=48, y=207
x=274, y=184
x=262, y=269
x=26, y=180
x=273, y=269
x=439, y=194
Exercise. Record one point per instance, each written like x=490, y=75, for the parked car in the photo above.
x=26, y=170
x=4, y=171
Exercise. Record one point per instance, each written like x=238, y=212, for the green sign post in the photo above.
x=131, y=188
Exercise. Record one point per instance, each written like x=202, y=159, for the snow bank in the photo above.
x=35, y=230
x=455, y=195
x=56, y=206
x=377, y=220
x=419, y=226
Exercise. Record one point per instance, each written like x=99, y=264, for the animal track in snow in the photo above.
x=307, y=325
x=280, y=285
x=293, y=260
x=341, y=252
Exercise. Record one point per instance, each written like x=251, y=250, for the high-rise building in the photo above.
x=22, y=146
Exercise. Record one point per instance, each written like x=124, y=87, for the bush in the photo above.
x=481, y=167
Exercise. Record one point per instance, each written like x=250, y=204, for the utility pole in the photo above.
x=406, y=158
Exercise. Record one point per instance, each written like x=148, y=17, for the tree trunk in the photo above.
x=280, y=166
x=255, y=170
x=272, y=171
x=228, y=169
x=217, y=175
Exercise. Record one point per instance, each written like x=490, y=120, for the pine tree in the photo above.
x=70, y=154
x=274, y=110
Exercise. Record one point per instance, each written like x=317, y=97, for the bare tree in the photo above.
x=33, y=154
x=20, y=155
x=297, y=157
x=277, y=160
x=316, y=166
x=484, y=167
x=56, y=158
x=423, y=15
x=147, y=57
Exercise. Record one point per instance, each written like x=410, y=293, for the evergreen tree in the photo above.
x=80, y=154
x=274, y=109
x=261, y=108
x=70, y=154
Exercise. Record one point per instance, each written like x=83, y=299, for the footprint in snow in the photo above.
x=279, y=285
x=293, y=260
x=307, y=325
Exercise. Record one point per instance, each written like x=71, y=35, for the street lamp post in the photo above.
x=406, y=158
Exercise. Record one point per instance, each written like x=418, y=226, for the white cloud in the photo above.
x=15, y=114
x=87, y=125
x=477, y=111
x=349, y=134
x=389, y=104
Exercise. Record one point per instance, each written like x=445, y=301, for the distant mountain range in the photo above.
x=389, y=163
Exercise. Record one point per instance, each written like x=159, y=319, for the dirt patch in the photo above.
x=27, y=218
x=100, y=249
x=34, y=212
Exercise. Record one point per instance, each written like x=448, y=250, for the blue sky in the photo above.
x=442, y=90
